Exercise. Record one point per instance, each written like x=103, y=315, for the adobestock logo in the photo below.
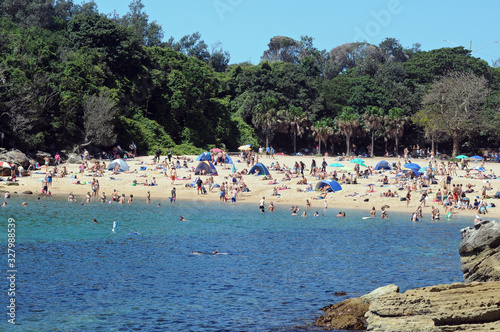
x=223, y=6
x=381, y=19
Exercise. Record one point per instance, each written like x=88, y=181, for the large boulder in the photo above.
x=40, y=156
x=350, y=314
x=74, y=158
x=455, y=307
x=15, y=156
x=480, y=252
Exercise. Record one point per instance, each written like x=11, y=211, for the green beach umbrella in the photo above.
x=336, y=165
x=347, y=169
x=359, y=162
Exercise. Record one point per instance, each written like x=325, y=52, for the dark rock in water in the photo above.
x=345, y=315
x=27, y=192
x=339, y=293
x=480, y=252
x=74, y=158
x=350, y=314
x=15, y=156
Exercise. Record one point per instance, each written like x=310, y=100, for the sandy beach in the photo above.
x=352, y=196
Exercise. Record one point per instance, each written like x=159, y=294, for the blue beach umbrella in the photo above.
x=357, y=160
x=477, y=157
x=412, y=166
x=479, y=169
x=462, y=157
x=336, y=165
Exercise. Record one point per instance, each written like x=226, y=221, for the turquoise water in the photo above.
x=279, y=270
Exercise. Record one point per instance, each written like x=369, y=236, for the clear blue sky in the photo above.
x=244, y=27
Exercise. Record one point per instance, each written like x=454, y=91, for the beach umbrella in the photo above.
x=346, y=168
x=479, y=169
x=245, y=147
x=357, y=160
x=477, y=157
x=233, y=170
x=336, y=165
x=4, y=164
x=424, y=169
x=216, y=150
x=412, y=166
x=462, y=157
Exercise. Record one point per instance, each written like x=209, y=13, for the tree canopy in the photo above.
x=70, y=75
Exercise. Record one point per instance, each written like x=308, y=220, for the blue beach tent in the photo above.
x=229, y=160
x=262, y=170
x=205, y=167
x=204, y=156
x=334, y=185
x=383, y=165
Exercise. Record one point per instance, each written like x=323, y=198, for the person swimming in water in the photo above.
x=182, y=218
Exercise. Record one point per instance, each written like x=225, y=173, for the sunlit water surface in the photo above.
x=275, y=273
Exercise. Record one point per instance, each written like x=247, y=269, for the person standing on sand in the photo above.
x=173, y=175
x=408, y=198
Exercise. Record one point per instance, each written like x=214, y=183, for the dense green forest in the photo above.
x=71, y=76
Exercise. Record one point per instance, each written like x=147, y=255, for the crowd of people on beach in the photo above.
x=436, y=181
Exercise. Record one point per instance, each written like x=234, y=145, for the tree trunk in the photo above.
x=348, y=143
x=319, y=146
x=433, y=145
x=373, y=140
x=294, y=143
x=456, y=145
x=267, y=141
x=397, y=145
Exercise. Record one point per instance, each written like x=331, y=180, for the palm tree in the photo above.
x=294, y=120
x=373, y=120
x=395, y=122
x=348, y=122
x=322, y=130
x=266, y=117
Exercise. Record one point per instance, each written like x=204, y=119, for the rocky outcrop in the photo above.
x=74, y=158
x=456, y=307
x=480, y=252
x=40, y=156
x=15, y=156
x=470, y=306
x=350, y=314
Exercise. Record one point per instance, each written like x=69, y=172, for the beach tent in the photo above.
x=262, y=170
x=205, y=166
x=121, y=162
x=383, y=165
x=334, y=185
x=204, y=156
x=229, y=160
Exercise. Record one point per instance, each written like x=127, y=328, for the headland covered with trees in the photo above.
x=72, y=76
